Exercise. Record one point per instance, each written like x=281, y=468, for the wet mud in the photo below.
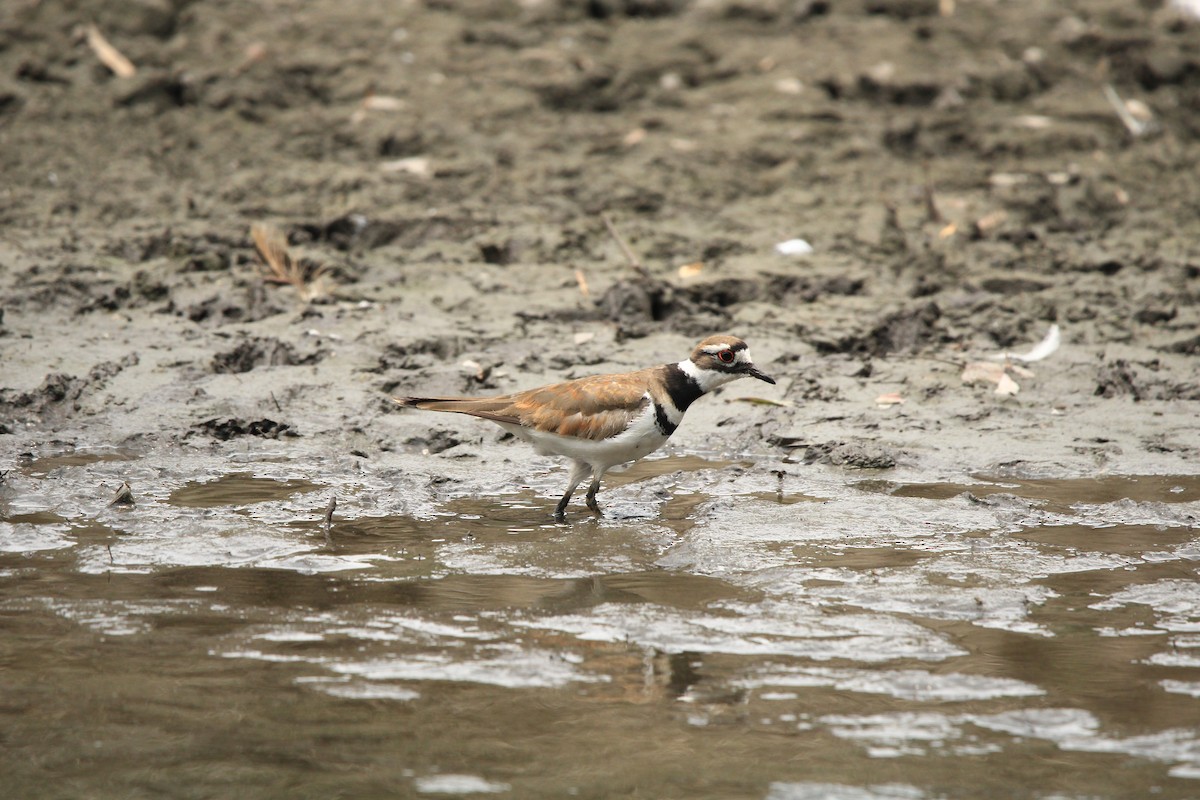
x=875, y=579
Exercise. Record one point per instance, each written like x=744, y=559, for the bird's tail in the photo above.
x=424, y=402
x=496, y=409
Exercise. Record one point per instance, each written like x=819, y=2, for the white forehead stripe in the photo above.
x=716, y=348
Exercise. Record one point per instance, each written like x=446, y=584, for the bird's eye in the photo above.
x=726, y=356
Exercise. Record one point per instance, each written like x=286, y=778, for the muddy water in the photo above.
x=720, y=634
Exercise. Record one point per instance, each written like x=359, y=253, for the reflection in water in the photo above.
x=1057, y=493
x=925, y=646
x=237, y=489
x=43, y=465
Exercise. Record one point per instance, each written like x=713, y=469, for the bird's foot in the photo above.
x=560, y=510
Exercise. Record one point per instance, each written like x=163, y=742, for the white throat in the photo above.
x=706, y=379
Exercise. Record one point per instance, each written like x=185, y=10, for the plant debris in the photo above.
x=1000, y=369
x=110, y=56
x=281, y=267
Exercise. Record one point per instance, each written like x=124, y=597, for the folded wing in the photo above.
x=588, y=408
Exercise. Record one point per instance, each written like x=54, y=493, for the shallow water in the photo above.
x=720, y=633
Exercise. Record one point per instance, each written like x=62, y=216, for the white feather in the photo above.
x=1043, y=348
x=641, y=438
x=707, y=379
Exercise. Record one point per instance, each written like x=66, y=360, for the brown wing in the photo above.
x=588, y=408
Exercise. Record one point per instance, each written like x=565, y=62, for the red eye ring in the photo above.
x=726, y=356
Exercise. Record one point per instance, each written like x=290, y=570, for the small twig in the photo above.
x=276, y=402
x=255, y=52
x=932, y=212
x=581, y=279
x=110, y=56
x=328, y=520
x=630, y=256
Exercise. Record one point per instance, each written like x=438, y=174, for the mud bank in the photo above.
x=967, y=175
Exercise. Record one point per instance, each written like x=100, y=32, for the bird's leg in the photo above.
x=560, y=511
x=579, y=471
x=591, y=495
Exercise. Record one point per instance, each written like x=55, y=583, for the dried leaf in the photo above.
x=634, y=137
x=383, y=102
x=982, y=372
x=691, y=270
x=414, y=165
x=889, y=399
x=110, y=56
x=789, y=86
x=581, y=279
x=1004, y=180
x=584, y=336
x=948, y=231
x=1007, y=386
x=375, y=102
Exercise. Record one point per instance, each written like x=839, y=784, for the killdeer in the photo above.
x=606, y=420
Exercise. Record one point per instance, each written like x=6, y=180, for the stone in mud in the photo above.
x=1118, y=379
x=500, y=252
x=160, y=89
x=1155, y=315
x=227, y=429
x=1013, y=284
x=904, y=331
x=250, y=304
x=60, y=393
x=632, y=301
x=356, y=232
x=157, y=18
x=902, y=9
x=437, y=441
x=264, y=352
x=809, y=289
x=851, y=455
x=606, y=9
x=1188, y=347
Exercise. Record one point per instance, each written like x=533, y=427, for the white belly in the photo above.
x=638, y=440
